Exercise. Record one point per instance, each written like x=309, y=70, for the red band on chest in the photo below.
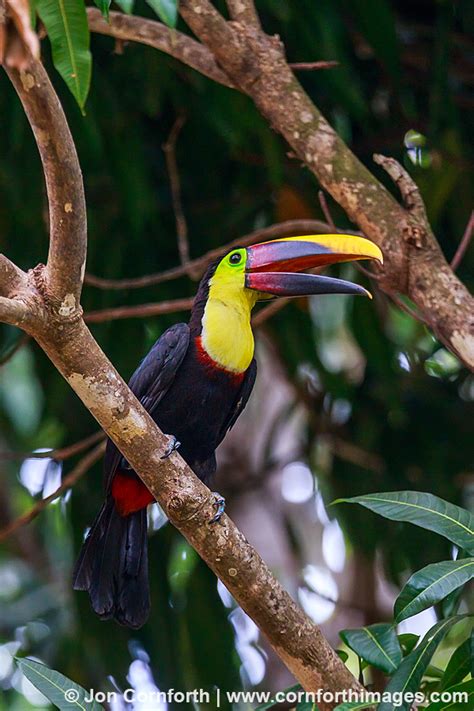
x=213, y=367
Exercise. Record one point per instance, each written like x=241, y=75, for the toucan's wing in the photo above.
x=152, y=380
x=155, y=374
x=242, y=397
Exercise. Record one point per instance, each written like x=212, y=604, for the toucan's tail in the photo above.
x=113, y=566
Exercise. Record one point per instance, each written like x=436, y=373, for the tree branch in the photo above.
x=140, y=311
x=243, y=11
x=414, y=264
x=169, y=149
x=155, y=34
x=67, y=211
x=464, y=243
x=58, y=454
x=313, y=66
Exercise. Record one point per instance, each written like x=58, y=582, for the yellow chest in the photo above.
x=226, y=332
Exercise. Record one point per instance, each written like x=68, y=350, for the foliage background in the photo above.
x=359, y=393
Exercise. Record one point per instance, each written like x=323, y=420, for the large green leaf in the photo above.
x=354, y=705
x=61, y=691
x=104, y=6
x=431, y=584
x=462, y=704
x=409, y=674
x=424, y=510
x=377, y=644
x=460, y=664
x=68, y=31
x=167, y=10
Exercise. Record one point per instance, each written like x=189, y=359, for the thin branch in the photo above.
x=169, y=307
x=368, y=273
x=464, y=243
x=243, y=11
x=152, y=33
x=326, y=211
x=282, y=229
x=169, y=149
x=269, y=311
x=60, y=454
x=67, y=209
x=140, y=311
x=409, y=190
x=408, y=309
x=68, y=482
x=312, y=66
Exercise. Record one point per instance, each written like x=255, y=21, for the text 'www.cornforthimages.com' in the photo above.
x=216, y=697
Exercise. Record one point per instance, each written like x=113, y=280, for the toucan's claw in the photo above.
x=219, y=505
x=173, y=445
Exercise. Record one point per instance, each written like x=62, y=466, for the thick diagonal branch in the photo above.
x=67, y=210
x=414, y=263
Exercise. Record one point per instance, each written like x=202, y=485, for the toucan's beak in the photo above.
x=272, y=267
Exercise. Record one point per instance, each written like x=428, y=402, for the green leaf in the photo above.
x=460, y=664
x=68, y=31
x=409, y=674
x=378, y=645
x=272, y=702
x=425, y=510
x=467, y=687
x=431, y=584
x=408, y=642
x=450, y=604
x=61, y=691
x=167, y=10
x=342, y=654
x=126, y=5
x=104, y=6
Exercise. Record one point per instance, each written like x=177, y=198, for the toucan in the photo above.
x=195, y=382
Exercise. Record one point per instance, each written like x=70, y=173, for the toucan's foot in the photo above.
x=173, y=445
x=219, y=505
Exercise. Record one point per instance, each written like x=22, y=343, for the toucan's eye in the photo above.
x=235, y=258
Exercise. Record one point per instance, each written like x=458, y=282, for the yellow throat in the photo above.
x=226, y=331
